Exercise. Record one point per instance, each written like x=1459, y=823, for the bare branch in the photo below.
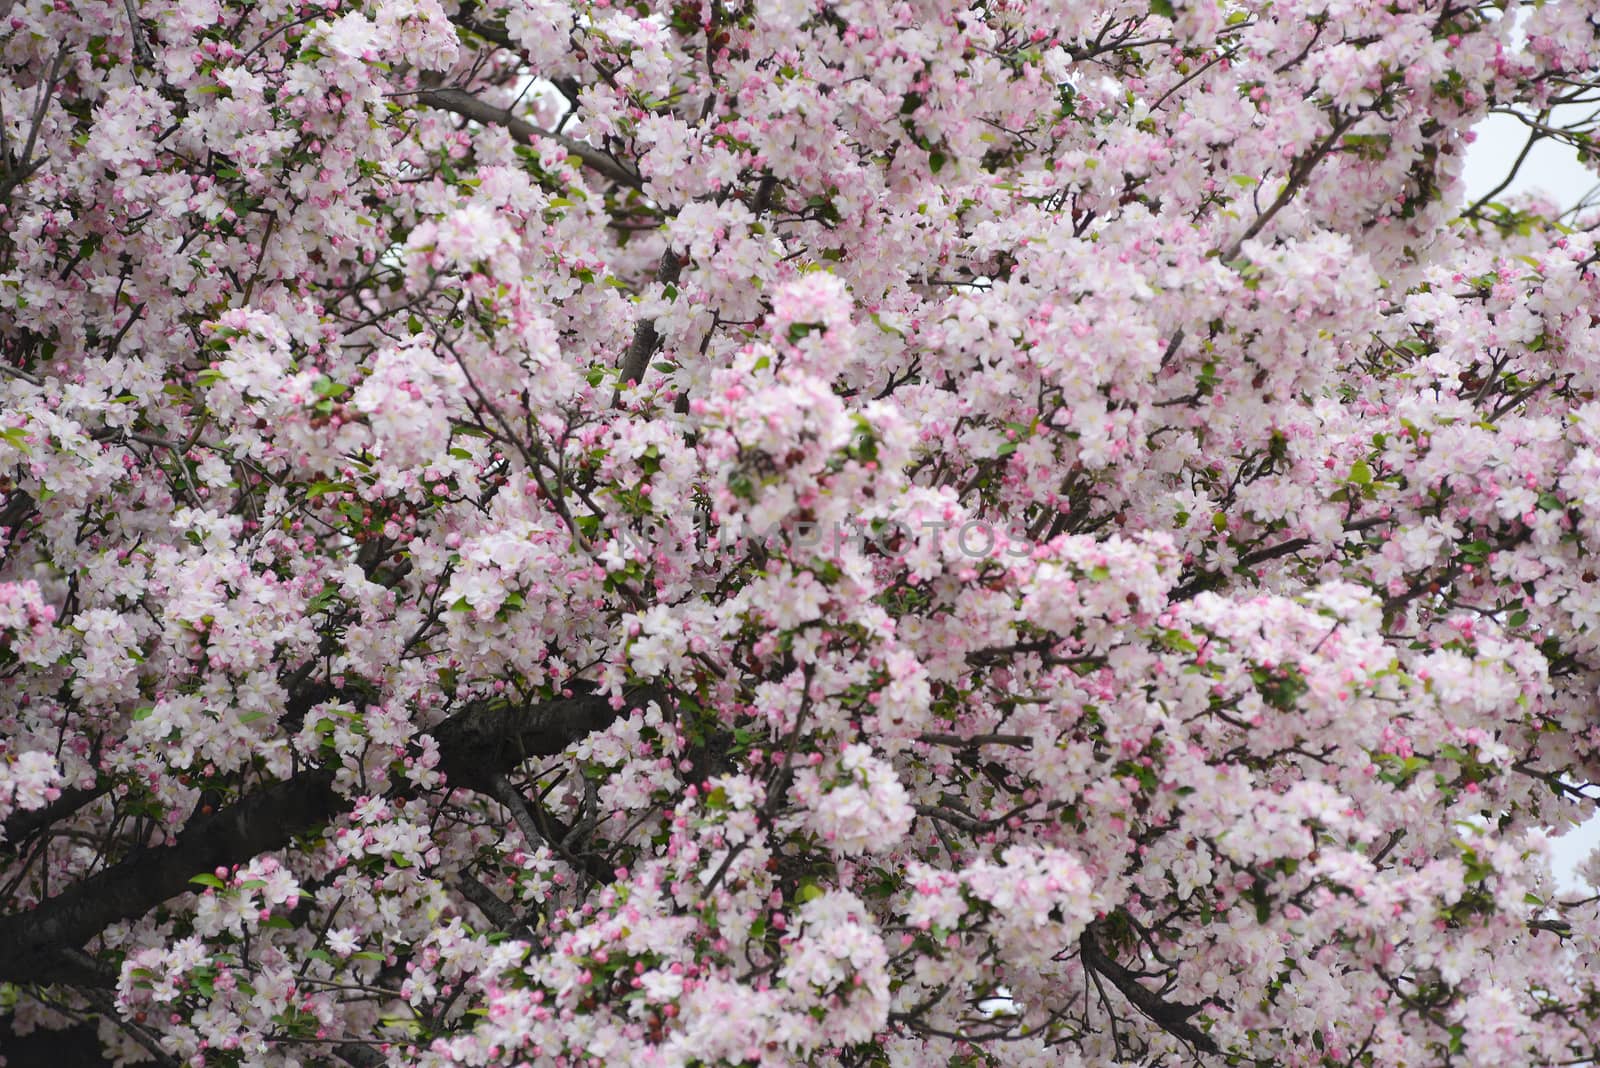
x=266, y=820
x=360, y=1055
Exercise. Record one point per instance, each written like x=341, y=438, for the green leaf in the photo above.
x=207, y=879
x=1162, y=8
x=327, y=387
x=322, y=601
x=1258, y=894
x=1361, y=473
x=885, y=327
x=1175, y=640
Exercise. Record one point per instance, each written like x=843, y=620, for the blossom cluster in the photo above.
x=875, y=532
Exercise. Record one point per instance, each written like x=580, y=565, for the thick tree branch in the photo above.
x=471, y=107
x=75, y=1047
x=646, y=340
x=474, y=745
x=489, y=739
x=1173, y=1019
x=34, y=940
x=502, y=915
x=466, y=18
x=360, y=1055
x=956, y=741
x=501, y=790
x=21, y=824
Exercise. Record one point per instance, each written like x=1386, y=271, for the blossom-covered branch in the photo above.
x=729, y=533
x=475, y=744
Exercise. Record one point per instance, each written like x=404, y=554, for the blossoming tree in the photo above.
x=887, y=532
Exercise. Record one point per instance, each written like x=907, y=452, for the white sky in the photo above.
x=1552, y=170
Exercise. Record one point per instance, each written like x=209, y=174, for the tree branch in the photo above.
x=1298, y=175
x=34, y=940
x=1173, y=1019
x=106, y=1007
x=501, y=790
x=21, y=824
x=646, y=340
x=466, y=18
x=360, y=1055
x=488, y=739
x=475, y=745
x=471, y=107
x=502, y=915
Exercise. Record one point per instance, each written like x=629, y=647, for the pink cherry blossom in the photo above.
x=568, y=533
